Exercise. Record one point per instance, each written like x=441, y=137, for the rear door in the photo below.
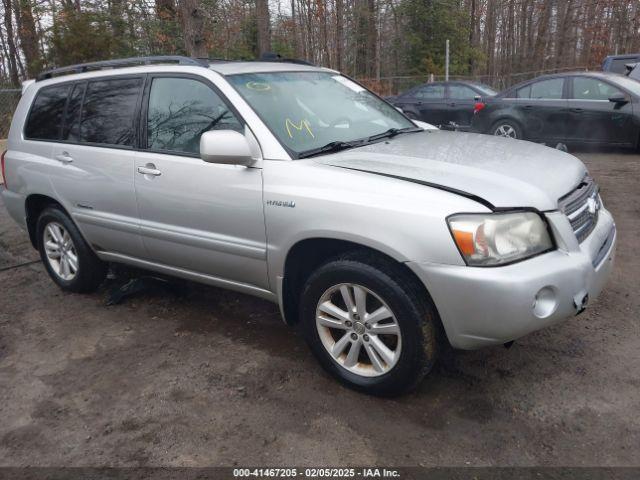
x=203, y=217
x=593, y=118
x=461, y=100
x=95, y=158
x=542, y=106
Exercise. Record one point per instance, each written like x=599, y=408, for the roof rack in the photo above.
x=121, y=63
x=276, y=57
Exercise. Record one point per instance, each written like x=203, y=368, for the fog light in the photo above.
x=545, y=302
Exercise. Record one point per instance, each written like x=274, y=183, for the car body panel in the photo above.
x=504, y=172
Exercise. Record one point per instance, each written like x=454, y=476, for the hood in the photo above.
x=499, y=172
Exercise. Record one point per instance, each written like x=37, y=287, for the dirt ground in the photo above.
x=215, y=378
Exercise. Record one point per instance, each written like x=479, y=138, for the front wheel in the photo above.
x=507, y=129
x=369, y=324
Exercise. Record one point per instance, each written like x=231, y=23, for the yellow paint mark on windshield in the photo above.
x=259, y=86
x=302, y=126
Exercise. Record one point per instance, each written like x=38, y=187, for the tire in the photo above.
x=507, y=126
x=59, y=242
x=386, y=285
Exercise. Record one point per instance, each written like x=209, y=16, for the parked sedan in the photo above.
x=442, y=103
x=581, y=107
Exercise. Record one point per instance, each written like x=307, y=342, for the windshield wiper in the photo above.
x=328, y=148
x=392, y=132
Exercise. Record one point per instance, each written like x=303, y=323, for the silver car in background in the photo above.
x=382, y=239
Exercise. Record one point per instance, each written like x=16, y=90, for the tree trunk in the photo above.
x=339, y=33
x=193, y=27
x=13, y=54
x=264, y=26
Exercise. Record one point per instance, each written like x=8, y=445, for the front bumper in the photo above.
x=488, y=306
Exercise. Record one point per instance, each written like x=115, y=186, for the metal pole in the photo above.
x=446, y=61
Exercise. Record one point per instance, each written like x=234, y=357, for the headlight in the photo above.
x=490, y=239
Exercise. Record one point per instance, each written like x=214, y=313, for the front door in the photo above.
x=542, y=105
x=461, y=99
x=202, y=217
x=594, y=119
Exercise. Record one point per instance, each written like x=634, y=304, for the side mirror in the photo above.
x=400, y=109
x=619, y=98
x=225, y=146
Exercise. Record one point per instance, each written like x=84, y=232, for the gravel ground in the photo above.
x=212, y=377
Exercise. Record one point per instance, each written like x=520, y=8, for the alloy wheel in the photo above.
x=358, y=330
x=505, y=130
x=60, y=251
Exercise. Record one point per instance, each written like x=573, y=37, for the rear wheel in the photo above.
x=507, y=129
x=68, y=259
x=369, y=324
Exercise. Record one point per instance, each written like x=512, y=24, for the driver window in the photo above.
x=591, y=89
x=180, y=111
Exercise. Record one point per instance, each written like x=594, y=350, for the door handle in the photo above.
x=577, y=110
x=149, y=169
x=64, y=157
x=528, y=107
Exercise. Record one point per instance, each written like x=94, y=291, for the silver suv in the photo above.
x=381, y=238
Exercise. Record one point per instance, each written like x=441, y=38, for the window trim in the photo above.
x=144, y=110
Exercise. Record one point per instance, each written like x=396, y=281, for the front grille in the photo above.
x=581, y=206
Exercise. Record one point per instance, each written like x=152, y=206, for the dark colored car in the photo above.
x=442, y=103
x=581, y=107
x=617, y=63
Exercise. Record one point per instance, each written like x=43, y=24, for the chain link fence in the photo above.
x=386, y=86
x=8, y=102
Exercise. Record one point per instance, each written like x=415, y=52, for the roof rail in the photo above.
x=121, y=63
x=276, y=57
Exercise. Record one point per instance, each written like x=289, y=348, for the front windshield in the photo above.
x=309, y=110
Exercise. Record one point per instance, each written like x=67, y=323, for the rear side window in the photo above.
x=108, y=111
x=431, y=92
x=548, y=89
x=45, y=117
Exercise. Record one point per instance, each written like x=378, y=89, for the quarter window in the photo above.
x=180, y=111
x=108, y=111
x=591, y=89
x=46, y=113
